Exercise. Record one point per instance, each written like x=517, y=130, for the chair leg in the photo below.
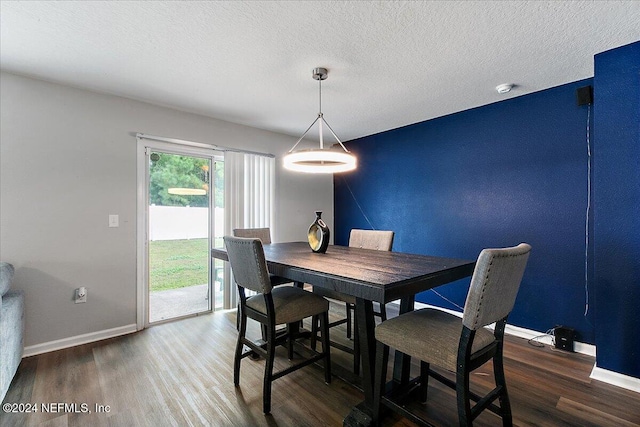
x=326, y=346
x=462, y=396
x=301, y=286
x=505, y=405
x=242, y=329
x=268, y=369
x=314, y=332
x=383, y=312
x=290, y=333
x=379, y=379
x=424, y=381
x=238, y=314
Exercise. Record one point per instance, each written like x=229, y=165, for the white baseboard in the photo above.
x=609, y=377
x=578, y=347
x=46, y=347
x=614, y=378
x=517, y=331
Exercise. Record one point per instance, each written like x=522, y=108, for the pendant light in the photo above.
x=323, y=160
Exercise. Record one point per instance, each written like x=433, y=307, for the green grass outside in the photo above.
x=175, y=264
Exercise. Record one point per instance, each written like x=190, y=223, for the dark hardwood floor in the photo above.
x=181, y=374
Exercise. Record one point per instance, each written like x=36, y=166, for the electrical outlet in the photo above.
x=81, y=295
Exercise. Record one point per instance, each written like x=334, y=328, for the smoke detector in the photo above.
x=504, y=88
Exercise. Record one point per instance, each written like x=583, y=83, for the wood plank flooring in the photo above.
x=181, y=374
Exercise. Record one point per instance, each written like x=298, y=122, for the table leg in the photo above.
x=361, y=414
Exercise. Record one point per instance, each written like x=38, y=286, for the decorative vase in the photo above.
x=318, y=235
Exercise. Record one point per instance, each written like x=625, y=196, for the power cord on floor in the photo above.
x=550, y=332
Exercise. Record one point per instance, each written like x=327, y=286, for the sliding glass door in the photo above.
x=179, y=223
x=182, y=213
x=189, y=197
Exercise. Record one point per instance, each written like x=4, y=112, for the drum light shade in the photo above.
x=320, y=161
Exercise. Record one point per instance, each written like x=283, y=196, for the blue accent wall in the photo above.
x=617, y=208
x=510, y=172
x=516, y=171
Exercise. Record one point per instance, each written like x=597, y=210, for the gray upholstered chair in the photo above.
x=380, y=240
x=264, y=234
x=459, y=345
x=272, y=306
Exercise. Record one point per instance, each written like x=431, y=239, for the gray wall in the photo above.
x=67, y=160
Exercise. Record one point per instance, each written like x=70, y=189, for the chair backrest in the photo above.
x=379, y=240
x=494, y=285
x=248, y=265
x=263, y=234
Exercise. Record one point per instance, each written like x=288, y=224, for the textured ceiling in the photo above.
x=390, y=63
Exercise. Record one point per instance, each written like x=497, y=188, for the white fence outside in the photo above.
x=178, y=223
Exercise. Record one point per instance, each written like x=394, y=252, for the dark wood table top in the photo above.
x=380, y=276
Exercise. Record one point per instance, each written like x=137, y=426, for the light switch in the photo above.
x=114, y=220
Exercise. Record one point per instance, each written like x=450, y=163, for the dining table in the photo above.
x=370, y=276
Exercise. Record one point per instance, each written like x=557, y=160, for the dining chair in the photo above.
x=380, y=240
x=264, y=234
x=456, y=344
x=272, y=306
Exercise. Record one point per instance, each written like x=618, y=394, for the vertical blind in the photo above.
x=249, y=189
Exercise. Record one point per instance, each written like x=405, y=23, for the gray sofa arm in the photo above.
x=6, y=276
